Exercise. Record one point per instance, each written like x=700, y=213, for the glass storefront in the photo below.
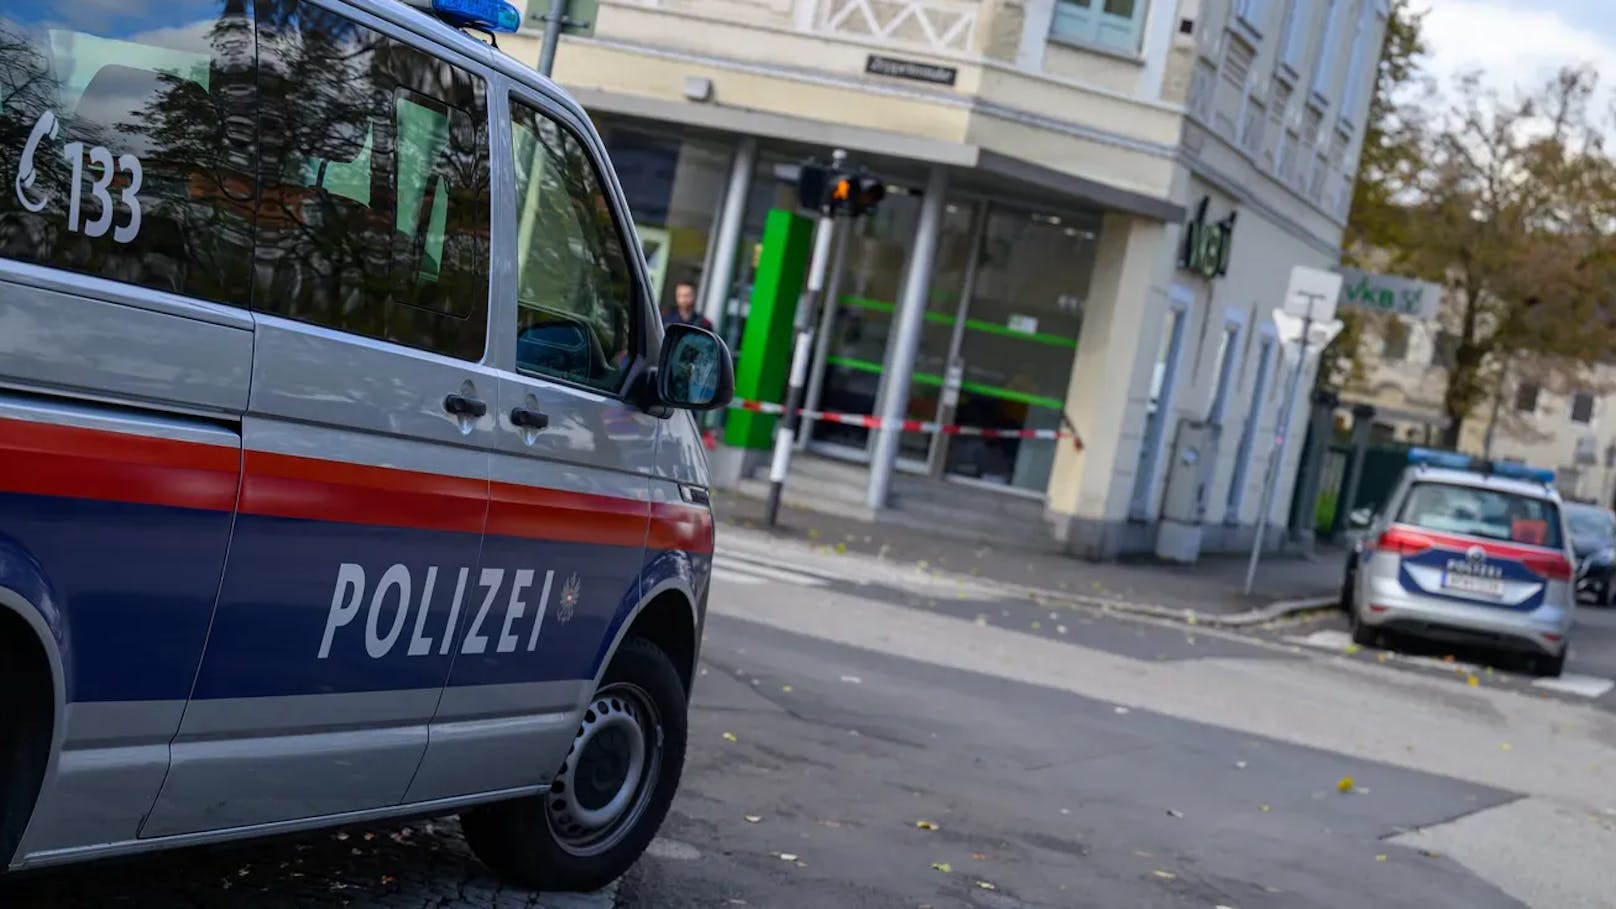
x=674, y=187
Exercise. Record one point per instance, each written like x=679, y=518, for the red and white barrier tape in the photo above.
x=870, y=421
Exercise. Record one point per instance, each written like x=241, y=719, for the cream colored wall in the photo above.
x=1116, y=73
x=1127, y=303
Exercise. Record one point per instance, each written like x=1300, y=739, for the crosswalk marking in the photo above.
x=1586, y=686
x=734, y=570
x=732, y=577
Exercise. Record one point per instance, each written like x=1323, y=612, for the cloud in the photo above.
x=1517, y=47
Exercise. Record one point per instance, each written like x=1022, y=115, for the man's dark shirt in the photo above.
x=671, y=317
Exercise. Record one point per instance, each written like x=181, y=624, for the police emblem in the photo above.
x=569, y=598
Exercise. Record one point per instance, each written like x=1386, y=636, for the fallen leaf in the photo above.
x=802, y=864
x=1472, y=681
x=1345, y=785
x=1266, y=808
x=1352, y=649
x=925, y=825
x=985, y=885
x=1381, y=857
x=1190, y=618
x=841, y=548
x=1036, y=625
x=787, y=689
x=730, y=737
x=1165, y=875
x=787, y=857
x=980, y=856
x=1380, y=658
x=1448, y=658
x=1174, y=812
x=981, y=621
x=1505, y=746
x=1429, y=853
x=753, y=819
x=387, y=879
x=813, y=534
x=944, y=867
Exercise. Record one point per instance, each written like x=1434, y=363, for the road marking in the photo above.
x=1586, y=686
x=732, y=568
x=732, y=577
x=1581, y=685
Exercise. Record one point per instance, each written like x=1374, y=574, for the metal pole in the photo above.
x=1277, y=460
x=827, y=327
x=906, y=338
x=553, y=20
x=1492, y=422
x=730, y=223
x=786, y=430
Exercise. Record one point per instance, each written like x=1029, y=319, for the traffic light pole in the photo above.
x=807, y=317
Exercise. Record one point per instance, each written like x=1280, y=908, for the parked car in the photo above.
x=1593, y=541
x=1467, y=552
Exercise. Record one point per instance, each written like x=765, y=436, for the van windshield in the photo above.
x=1488, y=513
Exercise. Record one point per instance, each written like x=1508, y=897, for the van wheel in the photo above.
x=1362, y=635
x=612, y=790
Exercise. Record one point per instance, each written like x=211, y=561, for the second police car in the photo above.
x=1467, y=552
x=346, y=471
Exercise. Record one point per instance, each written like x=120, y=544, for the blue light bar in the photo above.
x=1452, y=460
x=488, y=15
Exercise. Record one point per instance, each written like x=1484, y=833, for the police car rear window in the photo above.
x=126, y=142
x=1487, y=513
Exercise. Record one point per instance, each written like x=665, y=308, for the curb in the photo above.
x=1276, y=610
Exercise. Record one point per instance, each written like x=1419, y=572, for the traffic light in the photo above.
x=839, y=192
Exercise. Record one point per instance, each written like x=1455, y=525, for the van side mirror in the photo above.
x=1360, y=518
x=694, y=371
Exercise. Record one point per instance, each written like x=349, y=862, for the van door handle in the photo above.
x=462, y=406
x=529, y=419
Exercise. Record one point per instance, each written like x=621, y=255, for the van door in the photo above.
x=125, y=353
x=569, y=493
x=355, y=561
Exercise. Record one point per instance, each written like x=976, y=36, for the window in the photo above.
x=1526, y=397
x=1114, y=24
x=1228, y=345
x=1298, y=29
x=1582, y=407
x=374, y=214
x=1444, y=350
x=1253, y=13
x=127, y=149
x=1483, y=513
x=1365, y=54
x=574, y=289
x=1163, y=384
x=1329, y=49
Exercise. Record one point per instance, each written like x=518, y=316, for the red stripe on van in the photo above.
x=49, y=459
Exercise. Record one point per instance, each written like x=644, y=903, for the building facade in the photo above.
x=1046, y=161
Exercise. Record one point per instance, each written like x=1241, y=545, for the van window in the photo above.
x=126, y=142
x=1477, y=512
x=577, y=309
x=374, y=166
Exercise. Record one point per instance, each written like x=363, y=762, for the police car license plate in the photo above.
x=1469, y=583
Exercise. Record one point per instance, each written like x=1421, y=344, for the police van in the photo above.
x=346, y=471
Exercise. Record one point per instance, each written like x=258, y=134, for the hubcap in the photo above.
x=609, y=773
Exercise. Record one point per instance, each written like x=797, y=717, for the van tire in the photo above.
x=1550, y=667
x=518, y=839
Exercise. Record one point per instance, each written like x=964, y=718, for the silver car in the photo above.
x=346, y=471
x=1469, y=553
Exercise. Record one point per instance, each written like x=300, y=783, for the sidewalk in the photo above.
x=1210, y=589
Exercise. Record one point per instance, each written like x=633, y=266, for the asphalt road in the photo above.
x=1058, y=757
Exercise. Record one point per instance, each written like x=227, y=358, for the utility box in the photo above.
x=1189, y=475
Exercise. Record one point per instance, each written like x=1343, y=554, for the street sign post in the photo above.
x=1306, y=323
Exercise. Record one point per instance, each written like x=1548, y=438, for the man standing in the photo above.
x=684, y=308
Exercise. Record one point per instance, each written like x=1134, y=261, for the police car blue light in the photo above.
x=1453, y=460
x=488, y=15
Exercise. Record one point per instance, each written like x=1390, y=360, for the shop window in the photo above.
x=673, y=186
x=1111, y=24
x=1582, y=407
x=575, y=298
x=1526, y=397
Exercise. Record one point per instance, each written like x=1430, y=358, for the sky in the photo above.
x=1520, y=43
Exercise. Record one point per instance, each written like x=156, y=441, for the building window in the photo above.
x=1297, y=31
x=1329, y=49
x=1253, y=14
x=1582, y=407
x=1113, y=24
x=1444, y=350
x=1364, y=57
x=1526, y=397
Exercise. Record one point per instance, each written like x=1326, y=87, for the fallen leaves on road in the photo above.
x=730, y=737
x=1448, y=658
x=1345, y=785
x=1352, y=649
x=1174, y=812
x=944, y=867
x=753, y=819
x=1036, y=625
x=1266, y=808
x=786, y=689
x=1381, y=857
x=925, y=825
x=813, y=534
x=985, y=885
x=1472, y=681
x=981, y=621
x=841, y=548
x=1430, y=853
x=980, y=856
x=1505, y=746
x=1165, y=875
x=788, y=856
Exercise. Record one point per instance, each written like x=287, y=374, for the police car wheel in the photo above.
x=612, y=790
